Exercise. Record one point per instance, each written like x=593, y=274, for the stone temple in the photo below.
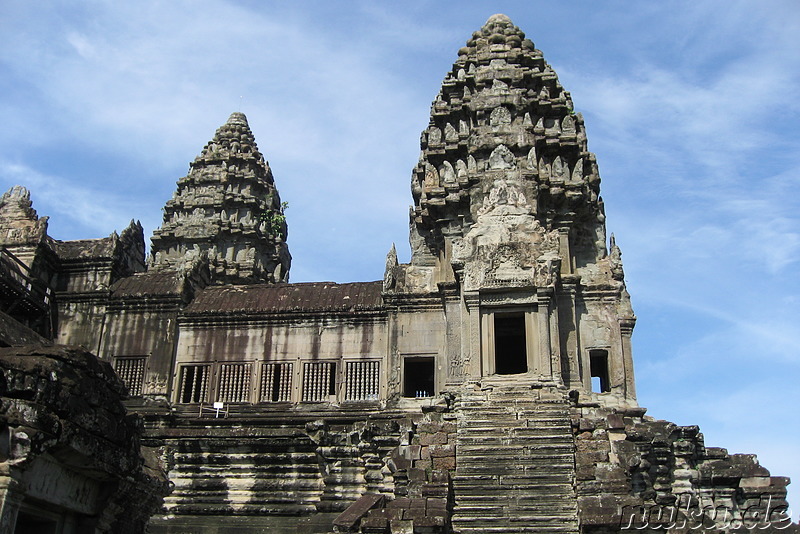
x=485, y=387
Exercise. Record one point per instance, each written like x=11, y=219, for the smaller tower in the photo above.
x=228, y=209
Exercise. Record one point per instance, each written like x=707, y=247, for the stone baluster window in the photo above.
x=234, y=382
x=362, y=381
x=276, y=382
x=131, y=371
x=319, y=381
x=194, y=383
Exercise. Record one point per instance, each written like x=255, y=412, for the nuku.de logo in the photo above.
x=706, y=513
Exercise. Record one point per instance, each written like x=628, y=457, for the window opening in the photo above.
x=276, y=382
x=362, y=381
x=194, y=383
x=598, y=362
x=319, y=381
x=418, y=377
x=131, y=372
x=510, y=347
x=234, y=382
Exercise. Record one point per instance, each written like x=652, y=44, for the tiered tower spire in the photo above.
x=505, y=149
x=228, y=209
x=508, y=223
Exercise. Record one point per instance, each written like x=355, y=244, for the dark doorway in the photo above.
x=598, y=360
x=510, y=347
x=418, y=377
x=28, y=523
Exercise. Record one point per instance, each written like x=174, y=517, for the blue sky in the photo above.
x=691, y=107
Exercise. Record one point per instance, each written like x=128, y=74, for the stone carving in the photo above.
x=547, y=271
x=502, y=158
x=389, y=276
x=434, y=136
x=615, y=260
x=533, y=164
x=577, y=172
x=560, y=172
x=505, y=196
x=447, y=173
x=499, y=117
x=450, y=134
x=506, y=241
x=568, y=125
x=19, y=223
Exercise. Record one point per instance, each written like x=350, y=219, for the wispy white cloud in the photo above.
x=70, y=206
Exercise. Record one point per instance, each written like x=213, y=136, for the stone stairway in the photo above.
x=515, y=462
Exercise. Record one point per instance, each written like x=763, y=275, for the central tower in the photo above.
x=507, y=215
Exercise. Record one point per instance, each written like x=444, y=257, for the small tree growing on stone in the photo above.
x=274, y=220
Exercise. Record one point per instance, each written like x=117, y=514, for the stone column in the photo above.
x=626, y=331
x=564, y=251
x=10, y=500
x=569, y=321
x=487, y=344
x=532, y=339
x=471, y=338
x=555, y=341
x=454, y=311
x=390, y=377
x=544, y=361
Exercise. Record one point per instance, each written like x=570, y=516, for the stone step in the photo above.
x=220, y=509
x=509, y=516
x=522, y=429
x=492, y=421
x=559, y=461
x=539, y=432
x=527, y=464
x=465, y=479
x=209, y=498
x=530, y=442
x=496, y=509
x=483, y=510
x=515, y=463
x=217, y=459
x=472, y=446
x=201, y=484
x=550, y=495
x=515, y=529
x=543, y=488
x=475, y=445
x=277, y=470
x=484, y=409
x=513, y=402
x=514, y=476
x=528, y=519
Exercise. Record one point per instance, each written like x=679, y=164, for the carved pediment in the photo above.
x=507, y=246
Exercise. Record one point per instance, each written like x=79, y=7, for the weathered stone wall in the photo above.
x=81, y=320
x=144, y=331
x=637, y=473
x=69, y=449
x=309, y=461
x=295, y=340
